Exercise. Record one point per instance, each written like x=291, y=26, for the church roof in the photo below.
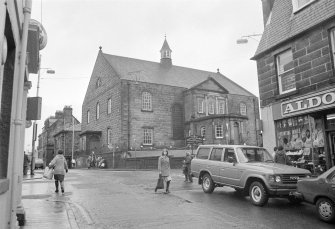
x=165, y=46
x=286, y=24
x=153, y=72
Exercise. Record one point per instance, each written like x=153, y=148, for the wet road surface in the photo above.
x=126, y=199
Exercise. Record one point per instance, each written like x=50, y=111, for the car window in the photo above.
x=216, y=154
x=331, y=178
x=229, y=152
x=246, y=154
x=203, y=153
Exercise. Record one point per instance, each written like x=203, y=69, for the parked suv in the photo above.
x=249, y=169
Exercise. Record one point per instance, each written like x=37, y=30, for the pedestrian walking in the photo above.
x=164, y=169
x=59, y=165
x=281, y=157
x=188, y=174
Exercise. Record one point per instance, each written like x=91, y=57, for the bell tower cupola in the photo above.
x=166, y=60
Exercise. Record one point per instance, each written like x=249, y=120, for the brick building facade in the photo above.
x=295, y=62
x=57, y=134
x=133, y=104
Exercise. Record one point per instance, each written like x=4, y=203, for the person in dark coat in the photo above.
x=281, y=157
x=164, y=169
x=188, y=174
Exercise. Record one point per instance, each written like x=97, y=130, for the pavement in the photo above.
x=43, y=207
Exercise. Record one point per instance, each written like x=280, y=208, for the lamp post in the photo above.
x=244, y=39
x=32, y=164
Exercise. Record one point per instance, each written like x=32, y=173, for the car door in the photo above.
x=230, y=172
x=331, y=182
x=214, y=163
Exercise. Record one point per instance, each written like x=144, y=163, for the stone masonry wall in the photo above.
x=313, y=65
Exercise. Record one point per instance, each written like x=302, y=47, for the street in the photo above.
x=126, y=199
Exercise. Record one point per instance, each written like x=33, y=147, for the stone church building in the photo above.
x=137, y=105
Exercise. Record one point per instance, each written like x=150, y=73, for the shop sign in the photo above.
x=317, y=101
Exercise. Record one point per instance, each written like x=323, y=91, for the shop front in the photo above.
x=305, y=127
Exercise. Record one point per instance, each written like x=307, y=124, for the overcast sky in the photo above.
x=201, y=33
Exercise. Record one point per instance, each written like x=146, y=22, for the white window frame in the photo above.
x=109, y=137
x=88, y=117
x=97, y=111
x=146, y=101
x=200, y=104
x=203, y=131
x=243, y=109
x=281, y=72
x=218, y=131
x=223, y=103
x=148, y=134
x=332, y=44
x=298, y=6
x=211, y=106
x=109, y=106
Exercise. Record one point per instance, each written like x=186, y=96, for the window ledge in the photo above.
x=4, y=186
x=150, y=111
x=286, y=94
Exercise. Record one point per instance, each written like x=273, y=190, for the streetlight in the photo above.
x=32, y=164
x=244, y=39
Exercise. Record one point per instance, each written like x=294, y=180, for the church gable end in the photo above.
x=210, y=85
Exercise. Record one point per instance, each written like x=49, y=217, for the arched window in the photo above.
x=98, y=111
x=146, y=101
x=243, y=109
x=88, y=116
x=109, y=137
x=109, y=106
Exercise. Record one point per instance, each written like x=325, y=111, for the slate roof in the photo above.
x=153, y=72
x=285, y=24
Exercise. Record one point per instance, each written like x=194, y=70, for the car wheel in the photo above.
x=325, y=208
x=294, y=200
x=207, y=183
x=258, y=195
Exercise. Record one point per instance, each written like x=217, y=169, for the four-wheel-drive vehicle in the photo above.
x=249, y=169
x=321, y=192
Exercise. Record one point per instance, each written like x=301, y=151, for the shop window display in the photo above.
x=303, y=140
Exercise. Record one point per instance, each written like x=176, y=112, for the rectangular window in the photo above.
x=230, y=153
x=88, y=116
x=109, y=137
x=83, y=143
x=216, y=154
x=200, y=105
x=285, y=72
x=109, y=106
x=221, y=106
x=211, y=106
x=332, y=40
x=299, y=4
x=148, y=137
x=146, y=101
x=219, y=131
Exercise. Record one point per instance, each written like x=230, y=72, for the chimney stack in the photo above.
x=267, y=8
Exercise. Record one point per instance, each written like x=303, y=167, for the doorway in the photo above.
x=331, y=139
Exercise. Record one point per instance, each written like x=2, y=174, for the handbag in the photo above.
x=48, y=173
x=160, y=183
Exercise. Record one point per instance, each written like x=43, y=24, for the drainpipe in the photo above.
x=128, y=119
x=253, y=100
x=17, y=110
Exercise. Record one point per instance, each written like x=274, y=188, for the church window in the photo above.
x=148, y=136
x=146, y=101
x=211, y=106
x=200, y=105
x=221, y=106
x=88, y=116
x=109, y=106
x=98, y=83
x=219, y=131
x=98, y=111
x=243, y=109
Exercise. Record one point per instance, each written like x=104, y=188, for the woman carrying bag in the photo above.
x=164, y=169
x=60, y=167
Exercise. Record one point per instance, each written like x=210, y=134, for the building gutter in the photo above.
x=17, y=101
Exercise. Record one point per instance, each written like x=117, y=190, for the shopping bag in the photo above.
x=48, y=173
x=160, y=183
